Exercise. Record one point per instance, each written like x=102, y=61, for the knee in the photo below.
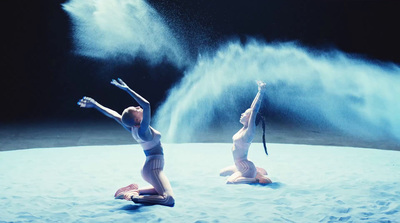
x=169, y=200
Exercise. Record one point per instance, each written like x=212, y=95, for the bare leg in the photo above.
x=133, y=188
x=227, y=171
x=147, y=191
x=237, y=178
x=127, y=195
x=261, y=170
x=161, y=193
x=246, y=173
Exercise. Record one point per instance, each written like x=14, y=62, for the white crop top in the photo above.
x=146, y=145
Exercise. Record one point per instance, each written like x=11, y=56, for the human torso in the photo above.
x=152, y=147
x=241, y=145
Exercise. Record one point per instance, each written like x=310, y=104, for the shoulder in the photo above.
x=145, y=133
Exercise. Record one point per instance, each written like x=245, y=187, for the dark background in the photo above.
x=42, y=78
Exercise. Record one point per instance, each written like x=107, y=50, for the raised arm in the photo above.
x=257, y=100
x=144, y=125
x=255, y=107
x=88, y=102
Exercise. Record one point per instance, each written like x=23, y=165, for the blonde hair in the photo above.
x=132, y=116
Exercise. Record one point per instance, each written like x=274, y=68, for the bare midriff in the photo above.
x=240, y=150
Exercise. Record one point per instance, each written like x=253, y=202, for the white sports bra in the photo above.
x=146, y=145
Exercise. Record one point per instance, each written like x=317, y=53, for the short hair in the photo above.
x=132, y=116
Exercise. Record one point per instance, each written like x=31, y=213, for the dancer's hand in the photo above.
x=120, y=84
x=87, y=102
x=261, y=85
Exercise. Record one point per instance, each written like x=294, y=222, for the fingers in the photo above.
x=81, y=103
x=261, y=83
x=121, y=81
x=114, y=82
x=118, y=83
x=84, y=101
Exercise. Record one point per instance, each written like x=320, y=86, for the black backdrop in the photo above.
x=42, y=77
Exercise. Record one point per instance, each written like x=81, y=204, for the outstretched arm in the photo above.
x=144, y=125
x=255, y=106
x=257, y=100
x=88, y=102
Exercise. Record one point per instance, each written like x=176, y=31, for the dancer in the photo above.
x=137, y=121
x=244, y=171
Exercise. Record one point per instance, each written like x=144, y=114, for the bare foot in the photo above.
x=127, y=195
x=127, y=188
x=262, y=171
x=264, y=180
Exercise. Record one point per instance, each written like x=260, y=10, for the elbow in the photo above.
x=146, y=105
